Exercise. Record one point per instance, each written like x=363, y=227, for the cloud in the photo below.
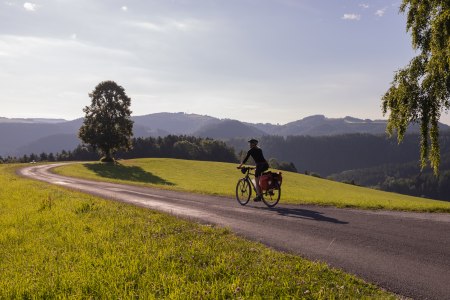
x=30, y=6
x=364, y=5
x=124, y=8
x=380, y=12
x=169, y=25
x=148, y=26
x=351, y=17
x=27, y=47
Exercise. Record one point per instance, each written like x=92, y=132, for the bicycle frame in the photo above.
x=250, y=179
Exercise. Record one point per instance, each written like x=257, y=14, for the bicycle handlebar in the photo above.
x=249, y=168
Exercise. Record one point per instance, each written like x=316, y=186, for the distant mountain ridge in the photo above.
x=319, y=125
x=25, y=136
x=31, y=120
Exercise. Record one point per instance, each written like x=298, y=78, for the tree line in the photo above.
x=326, y=155
x=403, y=178
x=172, y=146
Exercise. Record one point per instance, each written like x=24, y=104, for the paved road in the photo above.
x=406, y=253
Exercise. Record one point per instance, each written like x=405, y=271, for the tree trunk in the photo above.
x=107, y=156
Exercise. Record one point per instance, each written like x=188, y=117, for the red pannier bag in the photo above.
x=270, y=180
x=277, y=180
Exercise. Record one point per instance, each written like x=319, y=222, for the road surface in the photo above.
x=405, y=253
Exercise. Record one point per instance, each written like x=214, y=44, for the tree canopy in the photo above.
x=420, y=92
x=107, y=124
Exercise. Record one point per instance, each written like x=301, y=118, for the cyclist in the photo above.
x=261, y=164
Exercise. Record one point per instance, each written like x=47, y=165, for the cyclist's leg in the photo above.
x=258, y=171
x=258, y=188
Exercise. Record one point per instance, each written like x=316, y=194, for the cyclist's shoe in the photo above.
x=257, y=199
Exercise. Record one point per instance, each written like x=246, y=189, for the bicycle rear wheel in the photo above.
x=271, y=197
x=243, y=191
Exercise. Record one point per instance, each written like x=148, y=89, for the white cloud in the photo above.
x=56, y=50
x=73, y=36
x=351, y=17
x=169, y=25
x=380, y=12
x=30, y=6
x=364, y=5
x=147, y=26
x=124, y=8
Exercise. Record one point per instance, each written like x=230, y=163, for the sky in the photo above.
x=260, y=61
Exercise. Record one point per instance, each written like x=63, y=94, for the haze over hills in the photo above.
x=30, y=120
x=227, y=129
x=25, y=136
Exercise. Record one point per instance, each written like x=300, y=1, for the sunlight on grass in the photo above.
x=57, y=243
x=216, y=178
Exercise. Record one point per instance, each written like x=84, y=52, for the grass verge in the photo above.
x=220, y=179
x=56, y=243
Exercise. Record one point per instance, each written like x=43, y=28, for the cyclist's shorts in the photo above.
x=260, y=168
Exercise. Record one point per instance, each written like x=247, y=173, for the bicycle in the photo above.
x=245, y=185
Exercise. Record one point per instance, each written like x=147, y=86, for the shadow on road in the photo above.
x=303, y=214
x=130, y=173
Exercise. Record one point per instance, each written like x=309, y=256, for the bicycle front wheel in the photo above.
x=243, y=191
x=271, y=197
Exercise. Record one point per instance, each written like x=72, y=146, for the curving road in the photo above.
x=406, y=253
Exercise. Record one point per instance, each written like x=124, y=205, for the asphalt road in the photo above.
x=405, y=253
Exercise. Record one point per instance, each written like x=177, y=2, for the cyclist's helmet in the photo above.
x=253, y=141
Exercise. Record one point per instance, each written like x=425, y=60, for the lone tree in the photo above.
x=420, y=92
x=107, y=124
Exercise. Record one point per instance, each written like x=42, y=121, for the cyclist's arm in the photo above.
x=247, y=156
x=245, y=160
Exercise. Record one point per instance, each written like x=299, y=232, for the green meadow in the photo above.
x=56, y=243
x=216, y=178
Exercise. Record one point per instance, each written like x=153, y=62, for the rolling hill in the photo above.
x=201, y=177
x=227, y=129
x=175, y=123
x=25, y=136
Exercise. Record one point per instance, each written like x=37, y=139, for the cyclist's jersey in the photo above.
x=256, y=154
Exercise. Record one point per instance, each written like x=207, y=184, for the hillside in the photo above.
x=174, y=123
x=13, y=136
x=406, y=178
x=201, y=177
x=50, y=144
x=24, y=136
x=320, y=125
x=63, y=244
x=326, y=155
x=227, y=129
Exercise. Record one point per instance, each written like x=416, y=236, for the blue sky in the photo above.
x=255, y=60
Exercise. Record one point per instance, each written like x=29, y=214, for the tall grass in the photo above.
x=56, y=243
x=220, y=179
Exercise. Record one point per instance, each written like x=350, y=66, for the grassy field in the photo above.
x=56, y=243
x=220, y=179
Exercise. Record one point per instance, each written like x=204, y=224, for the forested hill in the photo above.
x=327, y=155
x=403, y=178
x=24, y=136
